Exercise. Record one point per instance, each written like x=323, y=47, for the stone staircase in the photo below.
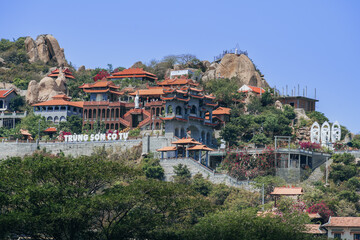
x=317, y=174
x=195, y=167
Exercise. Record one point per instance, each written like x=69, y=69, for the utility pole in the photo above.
x=263, y=199
x=38, y=134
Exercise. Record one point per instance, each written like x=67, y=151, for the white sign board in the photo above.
x=96, y=137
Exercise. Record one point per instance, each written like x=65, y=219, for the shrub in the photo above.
x=322, y=209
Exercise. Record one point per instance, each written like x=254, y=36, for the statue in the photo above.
x=315, y=133
x=335, y=132
x=137, y=100
x=325, y=133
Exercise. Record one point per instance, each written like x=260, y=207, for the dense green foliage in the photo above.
x=261, y=125
x=110, y=197
x=340, y=197
x=73, y=124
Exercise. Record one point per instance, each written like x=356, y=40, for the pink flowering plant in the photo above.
x=310, y=146
x=339, y=146
x=102, y=74
x=322, y=209
x=243, y=165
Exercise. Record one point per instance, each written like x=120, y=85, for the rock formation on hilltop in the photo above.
x=46, y=88
x=234, y=65
x=45, y=49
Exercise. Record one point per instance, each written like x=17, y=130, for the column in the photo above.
x=199, y=156
x=299, y=159
x=207, y=158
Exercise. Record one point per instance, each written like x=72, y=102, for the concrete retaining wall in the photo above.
x=10, y=149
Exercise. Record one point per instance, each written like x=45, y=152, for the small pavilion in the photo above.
x=292, y=192
x=187, y=147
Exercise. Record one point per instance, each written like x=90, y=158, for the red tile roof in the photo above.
x=97, y=84
x=314, y=229
x=5, y=92
x=166, y=149
x=177, y=81
x=25, y=132
x=287, y=191
x=343, y=222
x=247, y=88
x=60, y=100
x=148, y=92
x=200, y=147
x=133, y=72
x=186, y=141
x=66, y=71
x=50, y=129
x=221, y=111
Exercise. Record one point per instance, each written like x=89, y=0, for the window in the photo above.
x=292, y=104
x=337, y=235
x=356, y=236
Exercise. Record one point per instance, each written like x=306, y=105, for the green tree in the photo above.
x=73, y=124
x=31, y=123
x=318, y=117
x=152, y=167
x=16, y=103
x=49, y=196
x=182, y=174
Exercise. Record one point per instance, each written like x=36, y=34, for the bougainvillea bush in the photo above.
x=244, y=166
x=102, y=74
x=310, y=146
x=322, y=209
x=339, y=146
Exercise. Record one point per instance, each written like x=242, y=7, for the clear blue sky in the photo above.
x=312, y=43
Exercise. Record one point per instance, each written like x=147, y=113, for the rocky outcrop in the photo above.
x=239, y=66
x=303, y=134
x=2, y=62
x=46, y=89
x=46, y=48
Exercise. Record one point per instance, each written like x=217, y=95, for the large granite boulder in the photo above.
x=45, y=49
x=46, y=88
x=238, y=66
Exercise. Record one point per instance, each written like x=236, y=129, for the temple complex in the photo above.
x=185, y=113
x=134, y=73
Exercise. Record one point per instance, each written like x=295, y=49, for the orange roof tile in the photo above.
x=200, y=147
x=166, y=149
x=67, y=72
x=96, y=91
x=177, y=81
x=221, y=111
x=343, y=222
x=210, y=96
x=85, y=85
x=196, y=90
x=287, y=191
x=247, y=88
x=131, y=72
x=148, y=92
x=60, y=100
x=186, y=141
x=25, y=132
x=314, y=229
x=5, y=92
x=50, y=129
x=313, y=215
